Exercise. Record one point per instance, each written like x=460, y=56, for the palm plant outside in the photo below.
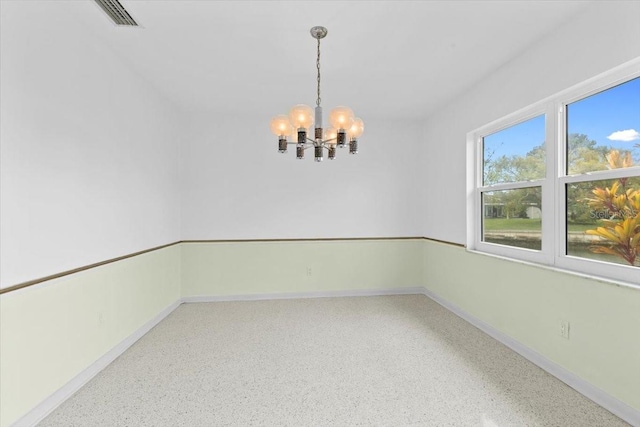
x=620, y=205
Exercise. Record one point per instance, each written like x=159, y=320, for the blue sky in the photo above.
x=613, y=113
x=518, y=139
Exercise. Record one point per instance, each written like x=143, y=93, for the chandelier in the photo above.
x=301, y=118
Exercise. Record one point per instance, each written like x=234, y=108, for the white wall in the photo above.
x=607, y=34
x=88, y=149
x=237, y=186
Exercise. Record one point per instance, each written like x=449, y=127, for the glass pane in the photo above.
x=603, y=130
x=513, y=217
x=603, y=220
x=515, y=154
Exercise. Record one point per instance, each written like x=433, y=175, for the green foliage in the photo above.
x=579, y=212
x=583, y=155
x=513, y=203
x=515, y=168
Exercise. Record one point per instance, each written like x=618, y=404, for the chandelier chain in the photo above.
x=318, y=67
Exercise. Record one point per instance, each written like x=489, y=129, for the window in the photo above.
x=513, y=158
x=558, y=183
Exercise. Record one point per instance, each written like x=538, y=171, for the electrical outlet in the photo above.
x=564, y=329
x=308, y=271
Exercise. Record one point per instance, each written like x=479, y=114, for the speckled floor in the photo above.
x=361, y=361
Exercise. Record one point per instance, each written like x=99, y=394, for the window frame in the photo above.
x=503, y=250
x=554, y=206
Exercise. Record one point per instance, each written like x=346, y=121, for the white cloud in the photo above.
x=624, y=135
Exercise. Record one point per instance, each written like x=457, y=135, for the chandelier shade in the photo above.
x=302, y=118
x=281, y=126
x=341, y=117
x=357, y=128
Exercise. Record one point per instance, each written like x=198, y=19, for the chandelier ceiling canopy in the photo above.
x=345, y=126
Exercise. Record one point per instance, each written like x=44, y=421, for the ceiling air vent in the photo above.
x=116, y=12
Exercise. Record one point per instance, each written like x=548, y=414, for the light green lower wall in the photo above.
x=528, y=303
x=51, y=332
x=239, y=268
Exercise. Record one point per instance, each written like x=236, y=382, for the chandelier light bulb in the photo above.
x=356, y=128
x=341, y=117
x=301, y=116
x=280, y=126
x=330, y=135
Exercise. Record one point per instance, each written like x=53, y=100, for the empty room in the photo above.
x=319, y=213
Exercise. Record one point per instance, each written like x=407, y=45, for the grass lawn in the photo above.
x=526, y=224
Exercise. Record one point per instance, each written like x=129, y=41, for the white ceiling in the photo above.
x=391, y=59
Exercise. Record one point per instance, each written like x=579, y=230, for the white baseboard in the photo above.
x=417, y=290
x=47, y=406
x=610, y=403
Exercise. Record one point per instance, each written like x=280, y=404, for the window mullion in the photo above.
x=602, y=175
x=548, y=187
x=559, y=163
x=513, y=185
